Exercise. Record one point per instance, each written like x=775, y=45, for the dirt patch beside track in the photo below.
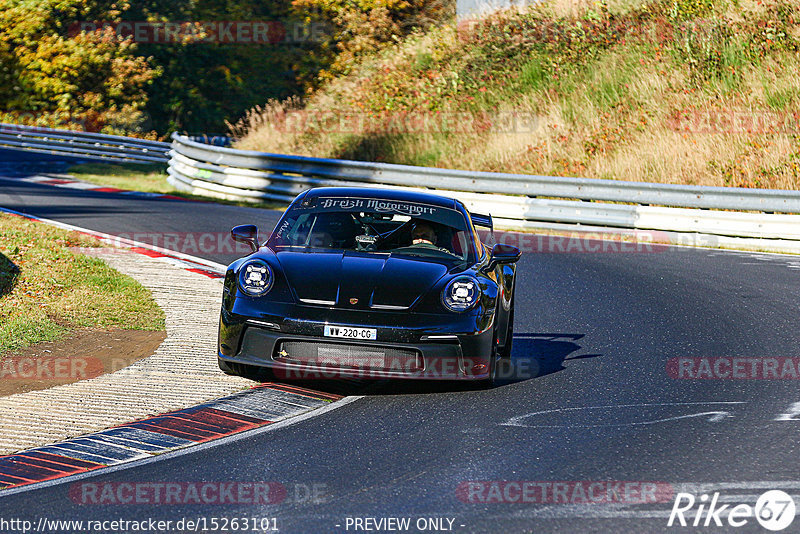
x=86, y=353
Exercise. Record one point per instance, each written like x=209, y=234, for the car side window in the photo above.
x=333, y=230
x=460, y=243
x=296, y=232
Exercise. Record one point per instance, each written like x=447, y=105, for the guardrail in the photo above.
x=211, y=139
x=82, y=145
x=515, y=200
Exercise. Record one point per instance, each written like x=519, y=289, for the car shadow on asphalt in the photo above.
x=534, y=355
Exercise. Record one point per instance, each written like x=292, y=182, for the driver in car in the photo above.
x=422, y=233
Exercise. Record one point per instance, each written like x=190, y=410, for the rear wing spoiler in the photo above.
x=482, y=220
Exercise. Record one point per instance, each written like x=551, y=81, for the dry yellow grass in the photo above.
x=635, y=111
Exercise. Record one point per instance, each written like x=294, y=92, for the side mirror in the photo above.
x=503, y=254
x=246, y=233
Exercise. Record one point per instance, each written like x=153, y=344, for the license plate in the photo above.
x=351, y=333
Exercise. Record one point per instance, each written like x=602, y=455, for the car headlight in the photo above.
x=461, y=294
x=255, y=278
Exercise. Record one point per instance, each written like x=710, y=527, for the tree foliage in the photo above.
x=362, y=27
x=53, y=71
x=48, y=76
x=205, y=83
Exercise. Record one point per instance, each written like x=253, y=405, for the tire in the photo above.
x=500, y=361
x=239, y=369
x=225, y=367
x=494, y=364
x=505, y=351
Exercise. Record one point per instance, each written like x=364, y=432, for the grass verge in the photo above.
x=47, y=290
x=148, y=179
x=132, y=177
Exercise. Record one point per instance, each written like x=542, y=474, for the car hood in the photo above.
x=336, y=278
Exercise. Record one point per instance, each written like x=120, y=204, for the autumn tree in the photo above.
x=53, y=75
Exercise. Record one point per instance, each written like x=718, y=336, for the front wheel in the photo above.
x=227, y=368
x=240, y=369
x=496, y=365
x=505, y=350
x=500, y=360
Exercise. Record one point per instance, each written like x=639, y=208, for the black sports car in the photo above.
x=369, y=283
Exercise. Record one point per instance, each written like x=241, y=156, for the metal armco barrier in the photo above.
x=515, y=200
x=82, y=145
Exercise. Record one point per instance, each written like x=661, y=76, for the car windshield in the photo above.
x=375, y=226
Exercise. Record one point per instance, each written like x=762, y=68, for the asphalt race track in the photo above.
x=594, y=397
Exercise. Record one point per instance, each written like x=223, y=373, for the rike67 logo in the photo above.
x=774, y=510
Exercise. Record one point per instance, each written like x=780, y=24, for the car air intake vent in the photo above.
x=340, y=355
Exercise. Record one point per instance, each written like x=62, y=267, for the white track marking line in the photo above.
x=516, y=420
x=792, y=415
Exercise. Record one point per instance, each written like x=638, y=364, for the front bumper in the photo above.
x=297, y=349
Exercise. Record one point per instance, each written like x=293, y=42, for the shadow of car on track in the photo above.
x=537, y=355
x=533, y=355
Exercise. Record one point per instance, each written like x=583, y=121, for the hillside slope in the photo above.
x=681, y=91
